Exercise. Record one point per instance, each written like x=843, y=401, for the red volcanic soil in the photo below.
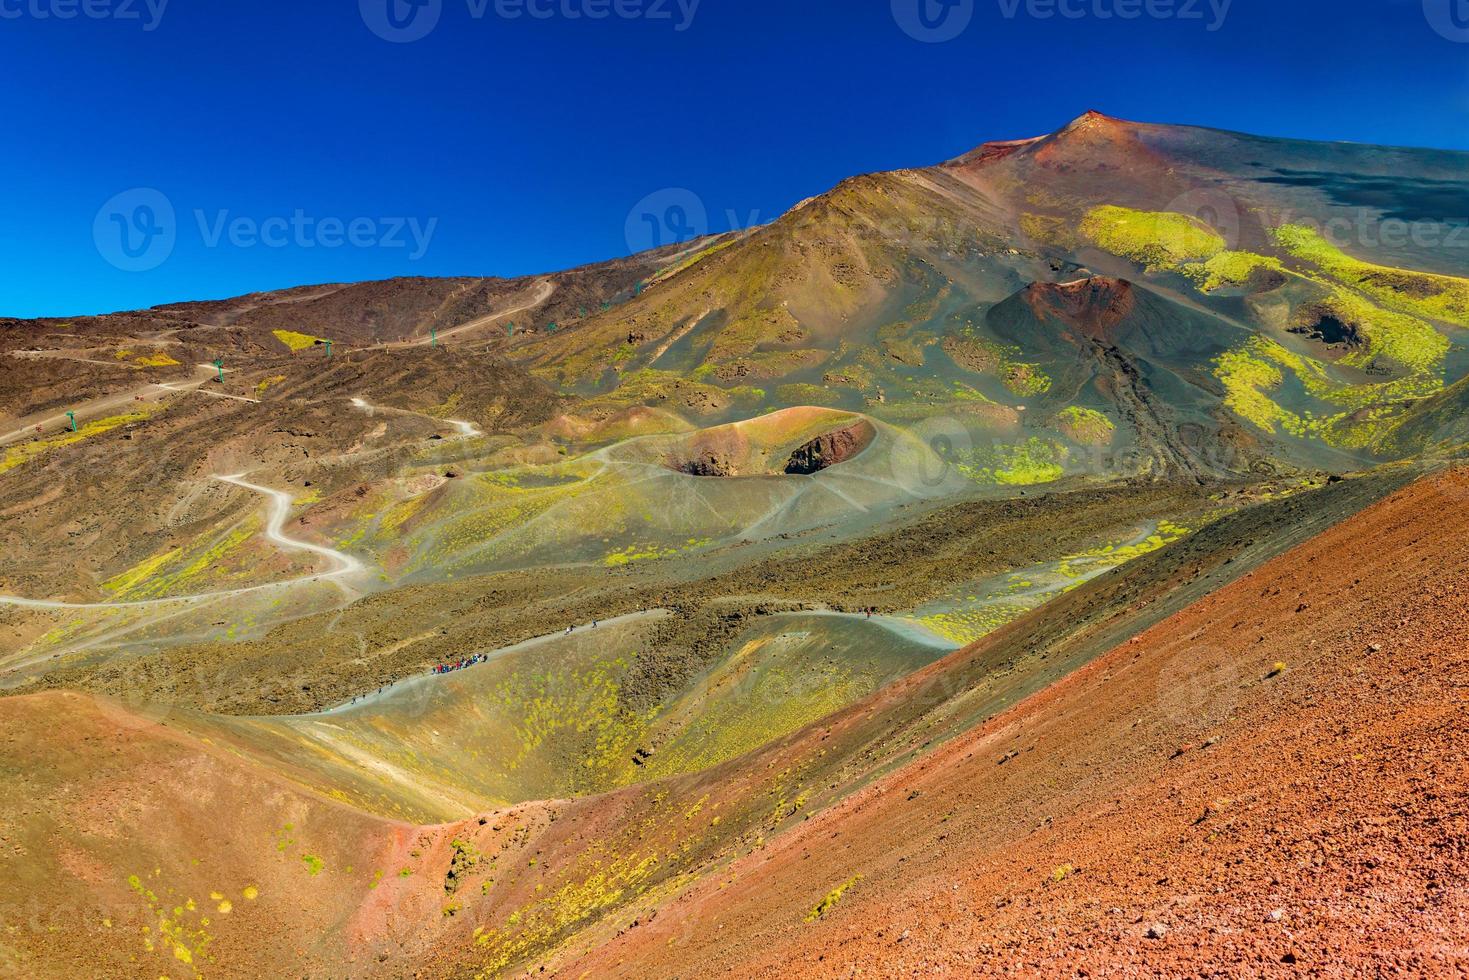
x=1095, y=142
x=1179, y=807
x=1093, y=306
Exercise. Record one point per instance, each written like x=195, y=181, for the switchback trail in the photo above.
x=543, y=293
x=280, y=511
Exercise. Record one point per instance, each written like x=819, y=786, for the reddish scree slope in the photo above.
x=1094, y=305
x=1172, y=809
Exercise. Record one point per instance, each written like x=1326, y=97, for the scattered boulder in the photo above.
x=708, y=463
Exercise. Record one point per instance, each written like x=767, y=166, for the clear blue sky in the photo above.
x=529, y=140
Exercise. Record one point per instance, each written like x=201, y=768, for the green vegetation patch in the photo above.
x=1235, y=269
x=970, y=351
x=1032, y=462
x=165, y=574
x=1364, y=414
x=1085, y=426
x=1160, y=240
x=832, y=898
x=1419, y=293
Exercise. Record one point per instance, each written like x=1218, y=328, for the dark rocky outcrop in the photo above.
x=829, y=449
x=707, y=463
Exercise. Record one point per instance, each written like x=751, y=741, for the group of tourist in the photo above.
x=478, y=658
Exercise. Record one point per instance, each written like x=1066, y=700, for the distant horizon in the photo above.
x=527, y=144
x=613, y=258
x=545, y=272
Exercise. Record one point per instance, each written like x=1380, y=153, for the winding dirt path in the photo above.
x=280, y=511
x=543, y=292
x=467, y=430
x=106, y=404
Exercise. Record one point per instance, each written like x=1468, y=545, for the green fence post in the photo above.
x=73, y=417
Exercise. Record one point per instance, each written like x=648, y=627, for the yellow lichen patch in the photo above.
x=1363, y=415
x=178, y=932
x=158, y=360
x=162, y=574
x=251, y=893
x=582, y=711
x=652, y=552
x=834, y=896
x=297, y=341
x=1085, y=426
x=973, y=352
x=1032, y=462
x=24, y=452
x=268, y=383
x=964, y=626
x=1247, y=376
x=1084, y=563
x=1160, y=240
x=140, y=572
x=1231, y=269
x=1420, y=293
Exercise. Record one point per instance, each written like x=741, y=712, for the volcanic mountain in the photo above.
x=1045, y=560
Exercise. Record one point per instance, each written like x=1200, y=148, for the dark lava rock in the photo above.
x=830, y=449
x=707, y=463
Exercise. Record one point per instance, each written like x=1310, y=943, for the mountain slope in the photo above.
x=1183, y=805
x=1303, y=343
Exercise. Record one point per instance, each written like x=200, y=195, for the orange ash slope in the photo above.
x=1171, y=809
